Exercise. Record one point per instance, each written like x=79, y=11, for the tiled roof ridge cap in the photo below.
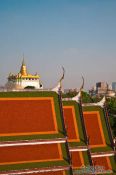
x=103, y=154
x=32, y=142
x=36, y=170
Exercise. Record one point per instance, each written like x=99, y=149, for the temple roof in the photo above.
x=23, y=73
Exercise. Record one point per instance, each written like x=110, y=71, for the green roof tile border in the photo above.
x=37, y=94
x=79, y=123
x=47, y=164
x=113, y=163
x=86, y=161
x=104, y=126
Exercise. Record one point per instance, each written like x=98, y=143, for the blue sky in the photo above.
x=78, y=34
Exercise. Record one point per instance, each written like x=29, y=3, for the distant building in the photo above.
x=101, y=85
x=114, y=86
x=101, y=88
x=111, y=93
x=70, y=90
x=23, y=80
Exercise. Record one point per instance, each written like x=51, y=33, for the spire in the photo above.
x=23, y=62
x=23, y=69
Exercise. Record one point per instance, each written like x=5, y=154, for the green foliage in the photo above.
x=69, y=94
x=86, y=98
x=113, y=124
x=112, y=105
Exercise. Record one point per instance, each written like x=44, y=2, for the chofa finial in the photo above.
x=59, y=85
x=63, y=70
x=102, y=102
x=82, y=86
x=77, y=98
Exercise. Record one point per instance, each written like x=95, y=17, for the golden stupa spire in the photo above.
x=23, y=62
x=23, y=69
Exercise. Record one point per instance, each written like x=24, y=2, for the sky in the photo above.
x=77, y=34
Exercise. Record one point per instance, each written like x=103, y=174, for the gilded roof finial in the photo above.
x=23, y=62
x=23, y=69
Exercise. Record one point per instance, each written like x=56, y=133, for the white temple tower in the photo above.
x=23, y=80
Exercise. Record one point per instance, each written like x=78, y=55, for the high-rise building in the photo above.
x=114, y=86
x=101, y=87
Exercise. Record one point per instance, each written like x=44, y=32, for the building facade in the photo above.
x=101, y=88
x=114, y=86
